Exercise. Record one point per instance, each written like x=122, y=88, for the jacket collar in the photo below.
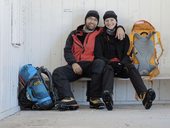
x=80, y=28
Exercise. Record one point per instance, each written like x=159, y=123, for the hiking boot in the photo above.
x=149, y=98
x=96, y=103
x=107, y=98
x=67, y=103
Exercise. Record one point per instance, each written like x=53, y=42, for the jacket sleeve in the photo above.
x=68, y=55
x=120, y=26
x=99, y=49
x=126, y=59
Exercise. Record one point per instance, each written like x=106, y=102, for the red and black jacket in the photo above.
x=75, y=50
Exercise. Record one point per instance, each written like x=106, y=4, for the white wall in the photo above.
x=42, y=26
x=48, y=23
x=11, y=56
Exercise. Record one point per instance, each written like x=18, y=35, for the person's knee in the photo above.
x=108, y=68
x=57, y=73
x=99, y=62
x=129, y=66
x=98, y=66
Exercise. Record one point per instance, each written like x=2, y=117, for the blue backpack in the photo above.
x=35, y=92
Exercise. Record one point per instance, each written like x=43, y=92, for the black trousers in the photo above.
x=123, y=71
x=62, y=77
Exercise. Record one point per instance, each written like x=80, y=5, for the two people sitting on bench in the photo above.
x=83, y=61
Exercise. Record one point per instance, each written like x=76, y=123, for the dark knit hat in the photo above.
x=93, y=13
x=110, y=14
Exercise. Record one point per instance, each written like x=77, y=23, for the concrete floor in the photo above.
x=122, y=116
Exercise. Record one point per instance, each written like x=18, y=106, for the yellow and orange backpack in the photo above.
x=146, y=48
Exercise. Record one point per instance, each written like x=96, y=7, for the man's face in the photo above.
x=91, y=23
x=110, y=23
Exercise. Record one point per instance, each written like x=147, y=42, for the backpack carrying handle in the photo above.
x=143, y=33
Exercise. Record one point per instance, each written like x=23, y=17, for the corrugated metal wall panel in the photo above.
x=1, y=15
x=11, y=54
x=50, y=22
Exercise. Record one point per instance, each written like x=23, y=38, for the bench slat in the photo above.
x=160, y=77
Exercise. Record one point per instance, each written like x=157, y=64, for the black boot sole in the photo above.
x=96, y=107
x=108, y=101
x=150, y=98
x=67, y=107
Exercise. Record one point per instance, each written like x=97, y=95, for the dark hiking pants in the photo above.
x=62, y=77
x=126, y=71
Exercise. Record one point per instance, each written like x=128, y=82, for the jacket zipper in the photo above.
x=79, y=45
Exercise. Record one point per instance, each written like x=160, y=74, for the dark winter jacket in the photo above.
x=110, y=49
x=75, y=50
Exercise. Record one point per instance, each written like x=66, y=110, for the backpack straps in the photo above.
x=131, y=37
x=50, y=88
x=158, y=46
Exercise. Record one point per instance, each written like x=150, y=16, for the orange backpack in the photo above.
x=146, y=48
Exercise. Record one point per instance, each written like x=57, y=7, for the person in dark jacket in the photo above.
x=118, y=63
x=79, y=54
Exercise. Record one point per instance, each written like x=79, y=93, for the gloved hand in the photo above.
x=77, y=69
x=118, y=68
x=113, y=64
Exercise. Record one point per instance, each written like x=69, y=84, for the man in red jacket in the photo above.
x=79, y=54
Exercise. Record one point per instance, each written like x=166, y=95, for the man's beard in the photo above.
x=87, y=29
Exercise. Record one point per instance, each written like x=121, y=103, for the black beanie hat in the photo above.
x=110, y=14
x=93, y=13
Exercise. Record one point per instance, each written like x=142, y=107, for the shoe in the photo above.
x=149, y=98
x=67, y=103
x=96, y=103
x=107, y=98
